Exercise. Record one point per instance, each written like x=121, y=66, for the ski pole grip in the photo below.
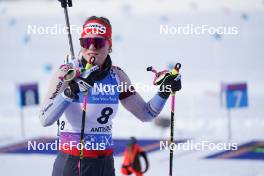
x=64, y=3
x=70, y=3
x=176, y=69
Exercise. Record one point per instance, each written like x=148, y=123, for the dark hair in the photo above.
x=104, y=20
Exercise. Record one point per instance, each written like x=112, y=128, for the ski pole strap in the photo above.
x=162, y=75
x=75, y=72
x=158, y=75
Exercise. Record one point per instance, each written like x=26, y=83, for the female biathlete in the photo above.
x=65, y=97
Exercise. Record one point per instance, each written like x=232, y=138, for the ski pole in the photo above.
x=64, y=5
x=85, y=94
x=175, y=71
x=158, y=80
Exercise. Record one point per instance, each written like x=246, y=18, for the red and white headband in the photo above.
x=97, y=27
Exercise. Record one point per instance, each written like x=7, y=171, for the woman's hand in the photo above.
x=170, y=84
x=81, y=84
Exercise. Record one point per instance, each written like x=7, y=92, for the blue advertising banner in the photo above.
x=236, y=95
x=28, y=94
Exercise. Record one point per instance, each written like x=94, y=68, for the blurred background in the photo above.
x=215, y=67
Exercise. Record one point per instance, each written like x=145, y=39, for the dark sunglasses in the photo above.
x=97, y=42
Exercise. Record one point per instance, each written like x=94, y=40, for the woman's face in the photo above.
x=99, y=54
